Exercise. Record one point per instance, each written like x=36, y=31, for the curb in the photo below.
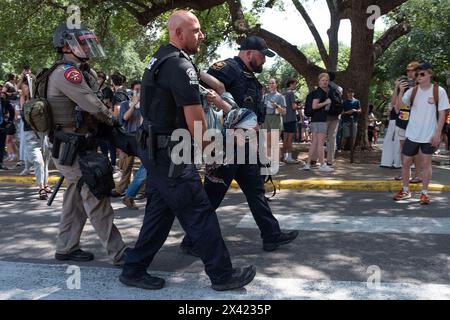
x=357, y=185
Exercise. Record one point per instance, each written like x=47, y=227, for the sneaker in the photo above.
x=415, y=180
x=13, y=158
x=291, y=161
x=116, y=194
x=25, y=172
x=325, y=168
x=307, y=167
x=424, y=199
x=145, y=281
x=129, y=202
x=140, y=196
x=402, y=195
x=2, y=167
x=284, y=238
x=240, y=278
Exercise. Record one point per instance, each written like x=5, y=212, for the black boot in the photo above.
x=145, y=281
x=284, y=238
x=239, y=279
x=77, y=255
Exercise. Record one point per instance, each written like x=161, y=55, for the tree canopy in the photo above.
x=131, y=31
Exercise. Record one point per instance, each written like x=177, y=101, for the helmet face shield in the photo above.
x=85, y=44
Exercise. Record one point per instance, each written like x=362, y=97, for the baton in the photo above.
x=55, y=191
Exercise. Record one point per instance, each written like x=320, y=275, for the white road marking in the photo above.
x=40, y=281
x=334, y=223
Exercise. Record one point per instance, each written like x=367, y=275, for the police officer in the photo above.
x=70, y=89
x=170, y=100
x=238, y=76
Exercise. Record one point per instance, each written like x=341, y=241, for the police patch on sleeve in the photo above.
x=219, y=65
x=73, y=75
x=151, y=63
x=192, y=74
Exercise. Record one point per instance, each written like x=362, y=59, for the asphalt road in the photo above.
x=352, y=245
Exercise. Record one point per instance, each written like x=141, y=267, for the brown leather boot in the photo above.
x=129, y=202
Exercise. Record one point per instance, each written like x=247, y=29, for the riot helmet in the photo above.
x=83, y=43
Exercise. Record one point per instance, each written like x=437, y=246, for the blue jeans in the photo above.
x=139, y=178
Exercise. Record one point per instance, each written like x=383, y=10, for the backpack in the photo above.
x=337, y=103
x=309, y=104
x=37, y=111
x=435, y=97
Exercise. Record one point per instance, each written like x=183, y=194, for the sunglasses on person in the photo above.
x=421, y=74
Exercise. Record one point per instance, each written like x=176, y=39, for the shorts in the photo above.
x=272, y=122
x=401, y=133
x=346, y=129
x=290, y=127
x=319, y=127
x=411, y=149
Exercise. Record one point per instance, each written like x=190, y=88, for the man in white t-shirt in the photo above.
x=423, y=134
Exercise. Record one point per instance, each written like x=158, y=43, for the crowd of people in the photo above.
x=325, y=134
x=22, y=147
x=327, y=130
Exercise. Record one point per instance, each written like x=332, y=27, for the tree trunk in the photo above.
x=361, y=66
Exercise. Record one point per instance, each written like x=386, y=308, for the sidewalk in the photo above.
x=356, y=176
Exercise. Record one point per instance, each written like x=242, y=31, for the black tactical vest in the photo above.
x=158, y=106
x=247, y=91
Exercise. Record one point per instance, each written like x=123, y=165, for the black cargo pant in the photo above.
x=185, y=198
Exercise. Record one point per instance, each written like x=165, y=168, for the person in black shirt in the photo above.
x=238, y=76
x=321, y=104
x=7, y=114
x=170, y=100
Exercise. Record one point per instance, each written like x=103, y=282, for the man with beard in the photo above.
x=170, y=100
x=238, y=76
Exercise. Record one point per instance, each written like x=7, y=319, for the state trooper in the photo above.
x=77, y=113
x=238, y=76
x=170, y=100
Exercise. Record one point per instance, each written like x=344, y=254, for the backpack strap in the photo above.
x=43, y=78
x=436, y=99
x=413, y=95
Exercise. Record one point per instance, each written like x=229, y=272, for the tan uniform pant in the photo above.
x=332, y=125
x=77, y=207
x=126, y=165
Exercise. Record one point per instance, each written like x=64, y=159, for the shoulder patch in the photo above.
x=73, y=75
x=151, y=63
x=219, y=65
x=192, y=74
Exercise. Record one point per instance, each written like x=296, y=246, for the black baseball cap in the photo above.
x=256, y=43
x=425, y=66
